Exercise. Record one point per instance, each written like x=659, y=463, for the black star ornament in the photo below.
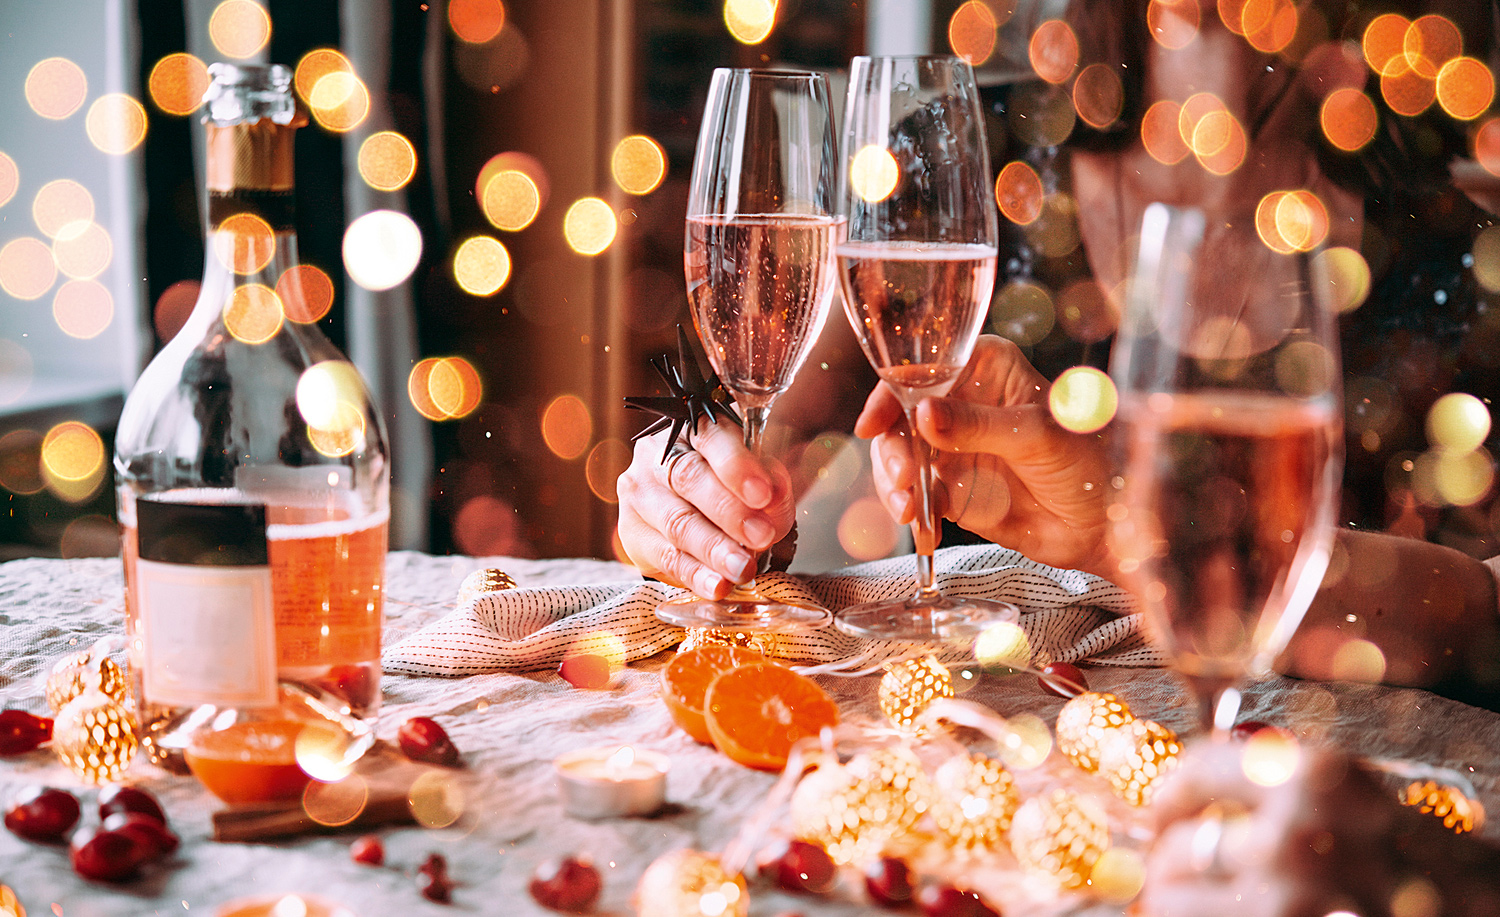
x=694, y=396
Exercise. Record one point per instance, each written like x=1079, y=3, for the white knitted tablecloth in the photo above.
x=512, y=725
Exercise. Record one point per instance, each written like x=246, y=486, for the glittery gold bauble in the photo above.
x=907, y=688
x=1082, y=724
x=1060, y=834
x=688, y=883
x=77, y=671
x=1134, y=756
x=1458, y=812
x=479, y=582
x=764, y=643
x=95, y=735
x=973, y=800
x=855, y=810
x=10, y=906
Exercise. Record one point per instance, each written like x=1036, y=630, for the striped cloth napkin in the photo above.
x=1067, y=616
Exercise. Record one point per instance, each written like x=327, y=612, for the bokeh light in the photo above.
x=83, y=250
x=476, y=21
x=21, y=460
x=62, y=204
x=873, y=173
x=10, y=179
x=600, y=643
x=1098, y=96
x=1083, y=399
x=444, y=388
x=510, y=200
x=1486, y=255
x=315, y=65
x=16, y=369
x=1460, y=478
x=381, y=249
x=435, y=799
x=72, y=451
x=606, y=462
x=1358, y=661
x=27, y=269
x=487, y=526
x=1053, y=51
x=322, y=751
x=387, y=161
x=177, y=83
x=750, y=21
x=567, y=426
x=1022, y=311
x=1269, y=25
x=1429, y=43
x=866, y=530
x=56, y=87
x=1289, y=221
x=972, y=31
x=1458, y=421
x=173, y=308
x=1486, y=146
x=1003, y=645
x=1348, y=118
x=589, y=226
x=481, y=266
x=1271, y=757
x=1347, y=277
x=306, y=293
x=83, y=308
x=1384, y=44
x=638, y=164
x=253, y=313
x=239, y=28
x=1084, y=310
x=1018, y=191
x=339, y=101
x=1120, y=873
x=1173, y=23
x=1161, y=133
x=1465, y=88
x=116, y=123
x=1408, y=92
x=330, y=398
x=244, y=243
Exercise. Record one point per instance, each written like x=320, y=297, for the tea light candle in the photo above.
x=612, y=782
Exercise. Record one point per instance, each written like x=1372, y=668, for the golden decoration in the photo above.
x=490, y=579
x=1459, y=813
x=75, y=671
x=1132, y=757
x=689, y=883
x=95, y=736
x=764, y=643
x=1060, y=834
x=10, y=905
x=1082, y=725
x=856, y=810
x=973, y=801
x=907, y=688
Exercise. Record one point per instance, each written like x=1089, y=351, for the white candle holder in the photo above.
x=612, y=782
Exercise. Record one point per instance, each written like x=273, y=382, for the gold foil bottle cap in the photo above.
x=251, y=115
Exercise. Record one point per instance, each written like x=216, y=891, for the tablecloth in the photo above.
x=510, y=728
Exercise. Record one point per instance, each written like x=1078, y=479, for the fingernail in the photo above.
x=740, y=565
x=758, y=532
x=756, y=492
x=892, y=464
x=707, y=584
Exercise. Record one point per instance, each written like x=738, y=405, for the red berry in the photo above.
x=21, y=732
x=889, y=881
x=42, y=813
x=1242, y=731
x=1063, y=679
x=116, y=798
x=105, y=855
x=571, y=885
x=369, y=850
x=433, y=881
x=355, y=683
x=800, y=866
x=422, y=739
x=947, y=901
x=152, y=836
x=586, y=670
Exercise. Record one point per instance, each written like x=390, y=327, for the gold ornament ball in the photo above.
x=764, y=643
x=907, y=688
x=689, y=883
x=1082, y=725
x=856, y=809
x=1459, y=813
x=479, y=582
x=1060, y=834
x=76, y=671
x=974, y=799
x=95, y=736
x=1134, y=756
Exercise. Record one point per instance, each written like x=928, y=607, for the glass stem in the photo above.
x=755, y=435
x=924, y=525
x=1219, y=702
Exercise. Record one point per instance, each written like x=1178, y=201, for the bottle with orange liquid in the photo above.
x=253, y=481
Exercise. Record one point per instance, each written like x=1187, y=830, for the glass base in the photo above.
x=743, y=611
x=917, y=620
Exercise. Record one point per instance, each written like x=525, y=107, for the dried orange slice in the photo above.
x=252, y=761
x=685, y=681
x=756, y=712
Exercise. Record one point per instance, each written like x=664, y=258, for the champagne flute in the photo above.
x=917, y=268
x=1230, y=444
x=761, y=228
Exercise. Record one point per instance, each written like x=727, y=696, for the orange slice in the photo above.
x=756, y=712
x=685, y=681
x=253, y=761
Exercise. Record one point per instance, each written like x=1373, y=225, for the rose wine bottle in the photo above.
x=251, y=472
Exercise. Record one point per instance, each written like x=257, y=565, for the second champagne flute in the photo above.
x=761, y=228
x=918, y=268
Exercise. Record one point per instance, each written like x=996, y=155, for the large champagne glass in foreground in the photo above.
x=918, y=268
x=761, y=228
x=1230, y=443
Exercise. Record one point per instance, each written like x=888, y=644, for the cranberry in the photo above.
x=153, y=837
x=585, y=670
x=1242, y=731
x=354, y=683
x=105, y=855
x=116, y=798
x=369, y=850
x=889, y=881
x=21, y=732
x=569, y=884
x=422, y=739
x=433, y=881
x=947, y=901
x=42, y=813
x=800, y=866
x=1063, y=679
